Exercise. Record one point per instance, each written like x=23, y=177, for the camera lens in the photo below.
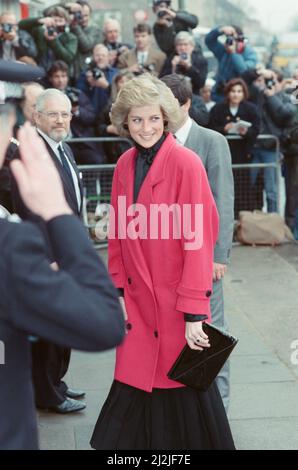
x=230, y=40
x=161, y=14
x=7, y=28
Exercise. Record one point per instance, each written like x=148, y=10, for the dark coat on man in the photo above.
x=50, y=361
x=197, y=72
x=35, y=300
x=26, y=46
x=165, y=35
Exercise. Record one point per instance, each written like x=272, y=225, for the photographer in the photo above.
x=187, y=61
x=96, y=80
x=290, y=87
x=143, y=57
x=52, y=38
x=276, y=111
x=88, y=35
x=83, y=116
x=112, y=33
x=234, y=57
x=169, y=23
x=14, y=44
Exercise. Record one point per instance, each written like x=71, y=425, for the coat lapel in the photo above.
x=189, y=143
x=156, y=175
x=69, y=154
x=68, y=189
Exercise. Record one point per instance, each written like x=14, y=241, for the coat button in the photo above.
x=129, y=281
x=208, y=293
x=156, y=334
x=129, y=326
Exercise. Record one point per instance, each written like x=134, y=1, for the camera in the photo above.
x=7, y=28
x=51, y=30
x=96, y=72
x=73, y=95
x=116, y=46
x=270, y=83
x=77, y=17
x=230, y=41
x=184, y=56
x=145, y=68
x=161, y=13
x=241, y=38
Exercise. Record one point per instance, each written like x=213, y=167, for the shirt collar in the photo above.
x=183, y=132
x=52, y=143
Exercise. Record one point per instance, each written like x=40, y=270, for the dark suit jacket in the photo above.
x=75, y=307
x=197, y=72
x=70, y=195
x=221, y=115
x=214, y=152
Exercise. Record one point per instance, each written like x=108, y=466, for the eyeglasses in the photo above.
x=55, y=115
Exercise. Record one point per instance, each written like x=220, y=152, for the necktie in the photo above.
x=66, y=166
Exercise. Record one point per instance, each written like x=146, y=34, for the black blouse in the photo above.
x=144, y=161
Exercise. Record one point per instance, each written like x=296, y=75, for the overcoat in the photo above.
x=162, y=279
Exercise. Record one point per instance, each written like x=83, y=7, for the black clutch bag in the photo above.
x=198, y=369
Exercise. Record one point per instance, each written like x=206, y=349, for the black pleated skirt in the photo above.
x=166, y=419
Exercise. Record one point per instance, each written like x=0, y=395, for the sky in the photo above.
x=274, y=16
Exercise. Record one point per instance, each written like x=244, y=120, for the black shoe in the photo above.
x=68, y=406
x=70, y=393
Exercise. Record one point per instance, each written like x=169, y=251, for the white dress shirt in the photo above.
x=54, y=146
x=183, y=133
x=142, y=57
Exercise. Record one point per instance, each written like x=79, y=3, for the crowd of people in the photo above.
x=90, y=66
x=157, y=93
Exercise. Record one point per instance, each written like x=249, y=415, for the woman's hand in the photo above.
x=219, y=271
x=228, y=127
x=122, y=303
x=195, y=336
x=175, y=62
x=243, y=131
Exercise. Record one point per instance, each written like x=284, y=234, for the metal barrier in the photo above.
x=249, y=179
x=97, y=187
x=97, y=184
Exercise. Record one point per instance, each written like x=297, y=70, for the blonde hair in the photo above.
x=146, y=90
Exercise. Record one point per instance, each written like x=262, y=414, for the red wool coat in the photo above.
x=161, y=279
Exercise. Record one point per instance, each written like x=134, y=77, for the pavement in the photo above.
x=261, y=297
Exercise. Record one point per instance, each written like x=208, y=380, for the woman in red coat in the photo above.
x=161, y=245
